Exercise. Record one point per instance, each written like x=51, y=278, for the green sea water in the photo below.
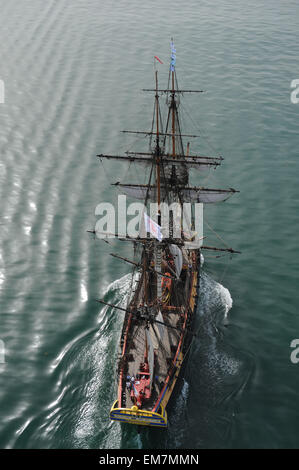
x=73, y=74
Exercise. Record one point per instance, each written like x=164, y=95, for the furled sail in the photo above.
x=204, y=195
x=198, y=162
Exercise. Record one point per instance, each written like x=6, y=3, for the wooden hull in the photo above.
x=153, y=412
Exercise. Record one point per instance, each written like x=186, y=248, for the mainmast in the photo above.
x=158, y=251
x=158, y=151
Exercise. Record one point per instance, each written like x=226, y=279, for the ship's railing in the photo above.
x=134, y=415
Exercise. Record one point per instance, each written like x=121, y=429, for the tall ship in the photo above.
x=157, y=330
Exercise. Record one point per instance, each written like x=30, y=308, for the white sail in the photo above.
x=142, y=228
x=178, y=259
x=150, y=356
x=135, y=191
x=159, y=334
x=207, y=195
x=161, y=328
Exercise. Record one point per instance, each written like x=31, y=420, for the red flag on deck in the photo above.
x=159, y=60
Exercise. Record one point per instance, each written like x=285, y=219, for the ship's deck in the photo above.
x=165, y=341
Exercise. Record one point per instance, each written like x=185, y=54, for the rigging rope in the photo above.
x=217, y=235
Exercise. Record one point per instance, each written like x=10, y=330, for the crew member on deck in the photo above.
x=128, y=382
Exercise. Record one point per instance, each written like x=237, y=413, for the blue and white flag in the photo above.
x=152, y=227
x=173, y=56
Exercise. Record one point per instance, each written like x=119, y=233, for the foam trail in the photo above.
x=226, y=298
x=214, y=295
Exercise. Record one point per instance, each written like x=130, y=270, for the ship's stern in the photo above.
x=141, y=417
